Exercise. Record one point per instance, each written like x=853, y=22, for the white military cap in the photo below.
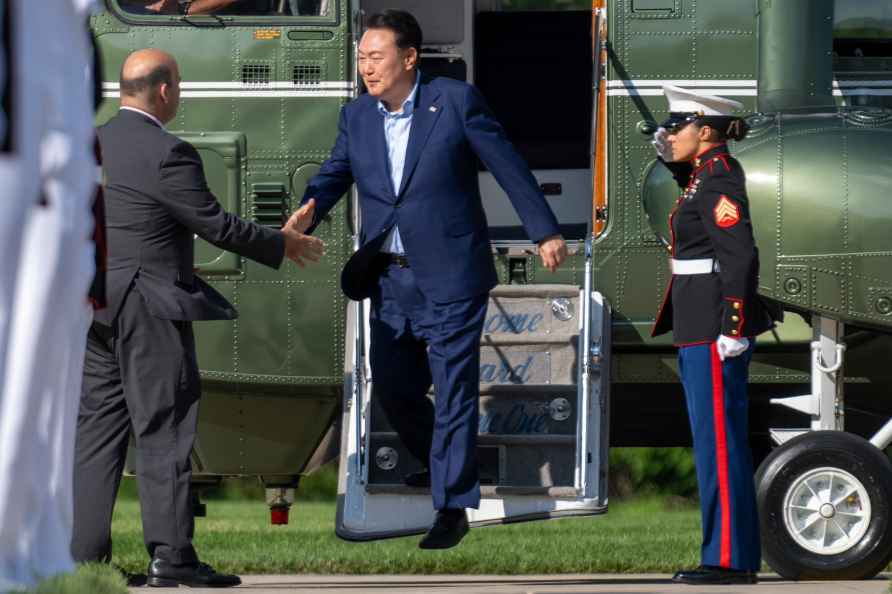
x=687, y=106
x=685, y=101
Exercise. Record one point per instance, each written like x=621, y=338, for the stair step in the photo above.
x=492, y=439
x=532, y=338
x=525, y=363
x=523, y=391
x=543, y=291
x=526, y=391
x=520, y=310
x=486, y=491
x=526, y=460
x=515, y=410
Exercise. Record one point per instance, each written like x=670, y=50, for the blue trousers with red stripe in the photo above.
x=716, y=393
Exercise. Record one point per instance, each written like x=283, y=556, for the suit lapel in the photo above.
x=427, y=111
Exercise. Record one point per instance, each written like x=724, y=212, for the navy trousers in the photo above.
x=415, y=343
x=716, y=394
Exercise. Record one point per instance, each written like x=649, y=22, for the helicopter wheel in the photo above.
x=825, y=500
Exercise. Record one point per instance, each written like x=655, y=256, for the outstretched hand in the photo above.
x=553, y=251
x=163, y=7
x=299, y=247
x=302, y=218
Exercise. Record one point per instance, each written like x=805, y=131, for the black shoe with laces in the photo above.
x=164, y=574
x=709, y=575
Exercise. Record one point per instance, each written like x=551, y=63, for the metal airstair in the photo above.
x=542, y=445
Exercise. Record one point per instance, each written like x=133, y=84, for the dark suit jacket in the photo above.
x=156, y=201
x=438, y=208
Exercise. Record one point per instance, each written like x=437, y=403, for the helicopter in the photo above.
x=568, y=367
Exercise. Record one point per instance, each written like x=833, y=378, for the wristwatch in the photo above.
x=184, y=6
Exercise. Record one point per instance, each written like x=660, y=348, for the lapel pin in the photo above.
x=434, y=108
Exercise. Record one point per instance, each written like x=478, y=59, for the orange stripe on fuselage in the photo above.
x=721, y=453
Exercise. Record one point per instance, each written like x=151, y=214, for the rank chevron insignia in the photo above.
x=727, y=214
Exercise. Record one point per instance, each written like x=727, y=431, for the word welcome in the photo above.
x=513, y=323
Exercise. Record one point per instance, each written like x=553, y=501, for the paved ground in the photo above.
x=562, y=584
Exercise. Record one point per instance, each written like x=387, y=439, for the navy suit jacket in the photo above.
x=438, y=208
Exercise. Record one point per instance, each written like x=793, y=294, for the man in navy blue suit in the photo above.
x=411, y=146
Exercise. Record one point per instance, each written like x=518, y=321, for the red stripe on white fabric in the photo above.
x=721, y=453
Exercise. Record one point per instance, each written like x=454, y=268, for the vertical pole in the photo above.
x=584, y=386
x=827, y=376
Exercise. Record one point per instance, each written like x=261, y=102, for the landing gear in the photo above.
x=825, y=496
x=825, y=500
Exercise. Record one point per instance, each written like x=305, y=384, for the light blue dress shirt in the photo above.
x=397, y=125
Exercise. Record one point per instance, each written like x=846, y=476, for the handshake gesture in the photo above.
x=299, y=247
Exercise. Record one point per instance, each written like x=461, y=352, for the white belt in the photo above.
x=702, y=266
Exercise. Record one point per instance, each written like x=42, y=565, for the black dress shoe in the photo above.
x=418, y=479
x=163, y=574
x=449, y=528
x=709, y=575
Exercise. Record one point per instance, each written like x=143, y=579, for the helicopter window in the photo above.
x=862, y=52
x=298, y=8
x=862, y=29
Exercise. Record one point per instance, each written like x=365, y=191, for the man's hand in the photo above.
x=300, y=247
x=302, y=218
x=553, y=252
x=164, y=7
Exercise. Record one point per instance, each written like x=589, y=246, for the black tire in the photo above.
x=814, y=450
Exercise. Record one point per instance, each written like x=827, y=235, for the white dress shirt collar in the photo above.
x=408, y=105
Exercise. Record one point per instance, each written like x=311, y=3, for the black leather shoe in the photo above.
x=418, y=479
x=449, y=528
x=163, y=574
x=709, y=575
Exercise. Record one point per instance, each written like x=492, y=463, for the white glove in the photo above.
x=661, y=144
x=731, y=347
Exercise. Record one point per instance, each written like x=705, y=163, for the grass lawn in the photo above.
x=89, y=579
x=636, y=536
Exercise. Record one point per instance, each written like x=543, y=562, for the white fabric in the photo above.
x=2, y=76
x=40, y=376
x=731, y=347
x=12, y=221
x=661, y=144
x=85, y=7
x=688, y=267
x=684, y=101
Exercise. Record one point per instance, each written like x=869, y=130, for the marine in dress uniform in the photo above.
x=713, y=311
